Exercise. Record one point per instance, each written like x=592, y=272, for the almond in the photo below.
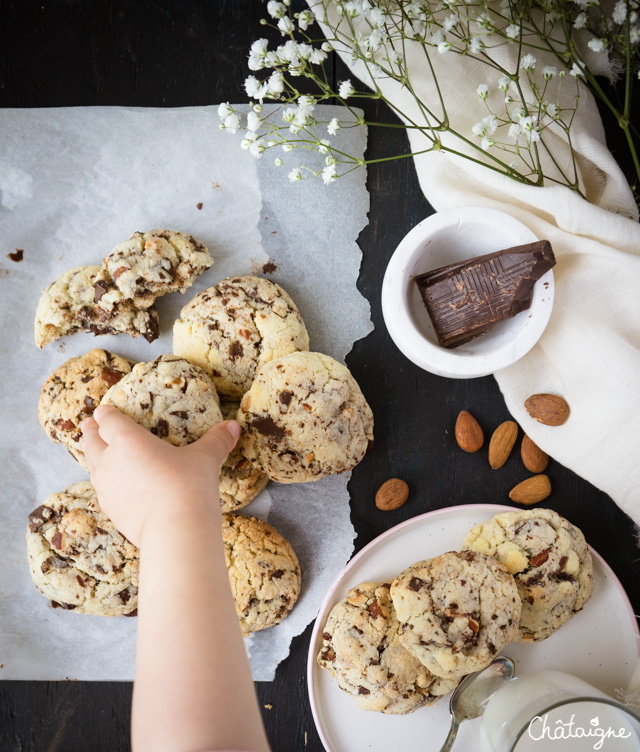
x=533, y=457
x=392, y=494
x=468, y=432
x=549, y=409
x=532, y=490
x=501, y=444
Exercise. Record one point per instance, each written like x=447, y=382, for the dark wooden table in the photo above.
x=170, y=53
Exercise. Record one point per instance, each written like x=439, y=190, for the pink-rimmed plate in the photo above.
x=601, y=644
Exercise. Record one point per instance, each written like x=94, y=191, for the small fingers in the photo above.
x=92, y=444
x=112, y=423
x=219, y=440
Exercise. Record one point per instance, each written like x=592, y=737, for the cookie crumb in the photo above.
x=17, y=255
x=268, y=707
x=216, y=186
x=4, y=272
x=199, y=205
x=270, y=267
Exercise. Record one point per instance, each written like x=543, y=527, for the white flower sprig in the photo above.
x=522, y=104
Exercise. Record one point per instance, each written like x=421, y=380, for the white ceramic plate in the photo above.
x=599, y=645
x=439, y=240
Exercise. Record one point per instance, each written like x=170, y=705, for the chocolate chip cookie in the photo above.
x=456, y=611
x=85, y=299
x=550, y=560
x=169, y=396
x=231, y=329
x=304, y=418
x=78, y=559
x=153, y=263
x=362, y=650
x=72, y=393
x=263, y=571
x=240, y=480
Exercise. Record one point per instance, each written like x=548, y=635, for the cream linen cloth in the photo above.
x=590, y=350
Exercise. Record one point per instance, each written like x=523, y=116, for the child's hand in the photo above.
x=140, y=479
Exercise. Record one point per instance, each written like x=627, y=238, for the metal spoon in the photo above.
x=474, y=692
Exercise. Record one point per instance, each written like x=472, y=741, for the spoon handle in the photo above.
x=453, y=732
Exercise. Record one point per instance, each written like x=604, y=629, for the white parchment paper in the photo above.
x=73, y=183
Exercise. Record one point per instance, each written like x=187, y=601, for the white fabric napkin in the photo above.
x=590, y=351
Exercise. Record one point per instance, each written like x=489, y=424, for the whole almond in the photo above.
x=501, y=444
x=549, y=409
x=533, y=457
x=532, y=490
x=468, y=432
x=392, y=494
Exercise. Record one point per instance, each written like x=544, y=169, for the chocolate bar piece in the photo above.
x=467, y=299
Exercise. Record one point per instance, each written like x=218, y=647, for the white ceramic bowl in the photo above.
x=439, y=240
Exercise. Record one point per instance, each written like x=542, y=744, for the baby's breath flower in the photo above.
x=376, y=17
x=549, y=71
x=477, y=45
x=450, y=22
x=326, y=47
x=528, y=62
x=486, y=127
x=333, y=127
x=444, y=47
x=551, y=109
x=224, y=110
x=288, y=147
x=597, y=45
x=580, y=21
x=512, y=31
x=487, y=143
x=482, y=91
x=253, y=122
x=323, y=146
x=278, y=162
x=576, y=71
x=329, y=174
x=276, y=9
x=620, y=12
x=514, y=131
x=346, y=90
x=232, y=122
x=317, y=57
x=253, y=87
x=305, y=19
x=307, y=102
x=275, y=84
x=295, y=174
x=285, y=25
x=503, y=83
x=256, y=149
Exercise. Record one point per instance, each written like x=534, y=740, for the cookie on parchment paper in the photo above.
x=78, y=559
x=362, y=650
x=169, y=396
x=550, y=560
x=304, y=418
x=84, y=298
x=456, y=611
x=153, y=263
x=73, y=391
x=263, y=571
x=231, y=329
x=240, y=480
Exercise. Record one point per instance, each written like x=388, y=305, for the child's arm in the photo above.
x=193, y=689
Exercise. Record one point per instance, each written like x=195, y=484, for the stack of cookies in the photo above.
x=401, y=645
x=240, y=351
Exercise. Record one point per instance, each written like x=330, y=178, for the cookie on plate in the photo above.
x=550, y=560
x=304, y=418
x=456, y=611
x=231, y=329
x=240, y=480
x=72, y=393
x=172, y=398
x=85, y=299
x=153, y=263
x=362, y=650
x=78, y=559
x=263, y=571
